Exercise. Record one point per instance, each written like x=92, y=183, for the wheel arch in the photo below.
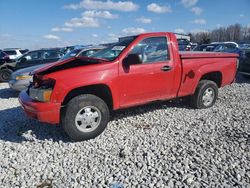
x=215, y=76
x=100, y=90
x=7, y=67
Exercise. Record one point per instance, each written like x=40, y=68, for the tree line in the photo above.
x=236, y=33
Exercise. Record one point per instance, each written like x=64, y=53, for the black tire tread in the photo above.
x=75, y=105
x=195, y=100
x=1, y=72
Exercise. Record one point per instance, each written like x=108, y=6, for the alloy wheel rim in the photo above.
x=208, y=96
x=88, y=119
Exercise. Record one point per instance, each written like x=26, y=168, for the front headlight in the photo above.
x=39, y=94
x=23, y=77
x=41, y=90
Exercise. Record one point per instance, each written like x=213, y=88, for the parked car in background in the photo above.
x=205, y=47
x=184, y=45
x=21, y=78
x=229, y=47
x=86, y=51
x=244, y=64
x=193, y=45
x=67, y=49
x=30, y=58
x=37, y=57
x=14, y=53
x=5, y=62
x=244, y=46
x=24, y=51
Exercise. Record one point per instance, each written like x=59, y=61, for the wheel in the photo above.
x=246, y=76
x=5, y=75
x=205, y=94
x=86, y=117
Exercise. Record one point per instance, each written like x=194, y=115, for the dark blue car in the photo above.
x=244, y=56
x=229, y=47
x=244, y=66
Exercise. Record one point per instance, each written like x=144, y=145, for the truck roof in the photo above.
x=143, y=34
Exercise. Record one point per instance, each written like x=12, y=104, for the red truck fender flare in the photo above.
x=208, y=72
x=102, y=91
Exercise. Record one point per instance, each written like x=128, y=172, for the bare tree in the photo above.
x=236, y=33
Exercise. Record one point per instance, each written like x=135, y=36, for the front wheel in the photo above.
x=205, y=94
x=5, y=75
x=86, y=117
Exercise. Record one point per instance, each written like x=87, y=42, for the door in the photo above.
x=151, y=80
x=30, y=59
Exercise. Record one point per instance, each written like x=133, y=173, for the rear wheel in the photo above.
x=86, y=117
x=5, y=75
x=205, y=95
x=246, y=76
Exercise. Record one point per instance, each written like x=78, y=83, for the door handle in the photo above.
x=166, y=68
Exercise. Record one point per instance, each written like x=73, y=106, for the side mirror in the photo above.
x=132, y=59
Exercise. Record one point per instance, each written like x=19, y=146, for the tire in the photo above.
x=205, y=94
x=5, y=75
x=86, y=117
x=246, y=76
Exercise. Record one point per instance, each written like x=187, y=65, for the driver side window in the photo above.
x=33, y=56
x=153, y=49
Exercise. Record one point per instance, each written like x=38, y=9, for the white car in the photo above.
x=14, y=53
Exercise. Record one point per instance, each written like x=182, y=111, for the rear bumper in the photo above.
x=44, y=112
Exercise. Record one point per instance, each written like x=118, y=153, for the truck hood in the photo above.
x=68, y=63
x=195, y=54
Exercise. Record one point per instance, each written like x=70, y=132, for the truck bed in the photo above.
x=192, y=54
x=196, y=64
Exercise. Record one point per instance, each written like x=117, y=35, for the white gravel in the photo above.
x=159, y=145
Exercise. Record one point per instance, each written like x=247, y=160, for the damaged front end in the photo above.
x=41, y=88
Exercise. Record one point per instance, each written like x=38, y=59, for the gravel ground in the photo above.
x=160, y=145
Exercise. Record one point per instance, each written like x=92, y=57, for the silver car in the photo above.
x=21, y=79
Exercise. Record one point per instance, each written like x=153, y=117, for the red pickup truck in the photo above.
x=81, y=92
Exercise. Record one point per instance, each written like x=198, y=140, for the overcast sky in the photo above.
x=49, y=23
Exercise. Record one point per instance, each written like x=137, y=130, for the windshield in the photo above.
x=70, y=54
x=219, y=48
x=112, y=52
